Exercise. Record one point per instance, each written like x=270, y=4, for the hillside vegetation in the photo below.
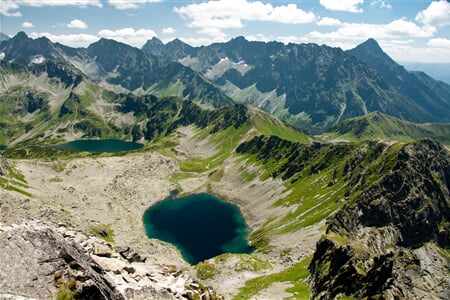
x=378, y=126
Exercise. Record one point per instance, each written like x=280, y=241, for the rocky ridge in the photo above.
x=43, y=261
x=392, y=241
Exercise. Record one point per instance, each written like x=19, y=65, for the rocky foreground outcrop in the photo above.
x=41, y=261
x=392, y=241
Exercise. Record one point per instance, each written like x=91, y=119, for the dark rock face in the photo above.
x=415, y=87
x=413, y=196
x=382, y=245
x=327, y=84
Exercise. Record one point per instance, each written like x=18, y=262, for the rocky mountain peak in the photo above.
x=21, y=35
x=154, y=46
x=370, y=49
x=239, y=40
x=105, y=43
x=24, y=50
x=3, y=37
x=178, y=45
x=153, y=42
x=371, y=44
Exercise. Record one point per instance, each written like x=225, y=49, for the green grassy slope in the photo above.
x=378, y=126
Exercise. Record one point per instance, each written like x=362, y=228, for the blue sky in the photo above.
x=408, y=30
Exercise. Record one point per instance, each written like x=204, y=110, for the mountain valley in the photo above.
x=338, y=160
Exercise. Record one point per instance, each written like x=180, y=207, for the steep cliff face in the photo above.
x=391, y=241
x=40, y=261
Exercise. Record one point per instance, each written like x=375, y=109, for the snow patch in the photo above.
x=222, y=60
x=223, y=66
x=2, y=55
x=37, y=59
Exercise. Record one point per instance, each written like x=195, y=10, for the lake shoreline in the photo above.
x=201, y=226
x=99, y=146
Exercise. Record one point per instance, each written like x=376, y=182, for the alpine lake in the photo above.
x=99, y=146
x=200, y=226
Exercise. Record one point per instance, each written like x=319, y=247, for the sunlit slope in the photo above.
x=378, y=126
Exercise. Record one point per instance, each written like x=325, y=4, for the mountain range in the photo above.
x=359, y=211
x=312, y=87
x=3, y=37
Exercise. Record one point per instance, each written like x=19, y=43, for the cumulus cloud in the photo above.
x=326, y=21
x=418, y=54
x=10, y=7
x=128, y=35
x=343, y=5
x=259, y=37
x=439, y=43
x=76, y=23
x=197, y=41
x=381, y=4
x=168, y=30
x=397, y=29
x=292, y=39
x=72, y=40
x=130, y=4
x=437, y=14
x=27, y=25
x=213, y=17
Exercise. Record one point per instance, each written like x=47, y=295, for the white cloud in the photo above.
x=128, y=35
x=439, y=43
x=72, y=40
x=130, y=4
x=292, y=39
x=196, y=41
x=381, y=4
x=10, y=7
x=213, y=17
x=437, y=14
x=418, y=54
x=290, y=14
x=7, y=8
x=343, y=5
x=259, y=37
x=394, y=43
x=27, y=25
x=168, y=30
x=397, y=29
x=76, y=23
x=326, y=21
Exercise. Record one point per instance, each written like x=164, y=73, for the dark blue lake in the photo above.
x=2, y=147
x=201, y=226
x=100, y=146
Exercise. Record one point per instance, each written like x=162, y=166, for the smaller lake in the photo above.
x=99, y=146
x=2, y=147
x=201, y=226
